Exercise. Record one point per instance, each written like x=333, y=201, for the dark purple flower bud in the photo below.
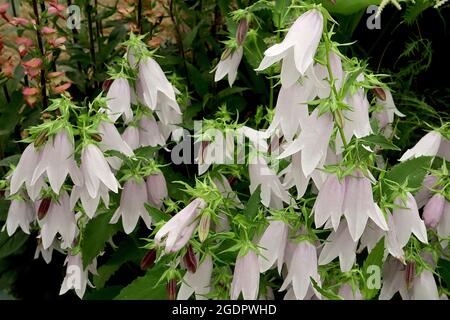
x=241, y=32
x=410, y=273
x=43, y=208
x=190, y=260
x=379, y=92
x=172, y=289
x=148, y=260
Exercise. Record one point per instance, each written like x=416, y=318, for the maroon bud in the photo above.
x=241, y=32
x=41, y=139
x=410, y=273
x=106, y=84
x=190, y=260
x=149, y=259
x=379, y=92
x=96, y=137
x=172, y=289
x=43, y=208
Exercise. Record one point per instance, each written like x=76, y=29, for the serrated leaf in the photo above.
x=96, y=234
x=252, y=208
x=6, y=162
x=379, y=140
x=143, y=288
x=375, y=258
x=11, y=245
x=156, y=214
x=413, y=170
x=128, y=251
x=326, y=293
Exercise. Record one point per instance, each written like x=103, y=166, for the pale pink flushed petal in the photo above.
x=149, y=133
x=180, y=227
x=246, y=277
x=424, y=194
x=424, y=287
x=303, y=266
x=59, y=219
x=289, y=73
x=133, y=197
x=358, y=201
x=111, y=139
x=378, y=217
x=407, y=221
x=119, y=100
x=273, y=243
x=392, y=244
x=329, y=202
x=131, y=137
x=433, y=210
x=321, y=78
x=346, y=291
x=57, y=161
x=443, y=228
x=20, y=214
x=444, y=149
x=198, y=282
x=339, y=244
x=291, y=112
x=370, y=237
x=156, y=189
x=313, y=141
x=300, y=44
x=25, y=168
x=393, y=280
x=229, y=66
x=427, y=146
x=272, y=191
x=76, y=276
x=96, y=169
x=294, y=176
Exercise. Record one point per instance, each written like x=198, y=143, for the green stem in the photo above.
x=271, y=94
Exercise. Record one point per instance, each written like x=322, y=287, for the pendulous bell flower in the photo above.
x=176, y=233
x=339, y=244
x=119, y=100
x=111, y=140
x=273, y=244
x=228, y=65
x=76, y=275
x=96, y=171
x=89, y=204
x=407, y=221
x=131, y=208
x=297, y=49
x=23, y=173
x=302, y=267
x=59, y=219
x=245, y=277
x=20, y=214
x=273, y=193
x=156, y=189
x=198, y=282
x=432, y=144
x=434, y=210
x=56, y=161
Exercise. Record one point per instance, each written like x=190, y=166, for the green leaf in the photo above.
x=379, y=140
x=156, y=214
x=347, y=7
x=128, y=251
x=252, y=208
x=326, y=293
x=103, y=294
x=11, y=245
x=375, y=258
x=97, y=233
x=443, y=270
x=6, y=162
x=143, y=288
x=413, y=170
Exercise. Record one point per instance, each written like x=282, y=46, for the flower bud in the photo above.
x=43, y=208
x=41, y=139
x=379, y=92
x=203, y=227
x=433, y=210
x=226, y=54
x=172, y=289
x=241, y=32
x=190, y=260
x=410, y=273
x=148, y=260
